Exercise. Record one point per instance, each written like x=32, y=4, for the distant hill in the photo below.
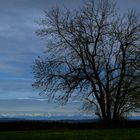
x=50, y=119
x=68, y=119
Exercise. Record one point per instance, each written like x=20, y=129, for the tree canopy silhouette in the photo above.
x=92, y=53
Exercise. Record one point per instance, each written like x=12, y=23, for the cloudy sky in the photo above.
x=19, y=46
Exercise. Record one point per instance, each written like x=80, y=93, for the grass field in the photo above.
x=93, y=134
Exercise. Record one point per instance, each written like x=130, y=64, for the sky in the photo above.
x=19, y=46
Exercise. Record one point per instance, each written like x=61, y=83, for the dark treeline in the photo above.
x=58, y=125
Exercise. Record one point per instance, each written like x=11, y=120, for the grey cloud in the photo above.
x=32, y=107
x=17, y=89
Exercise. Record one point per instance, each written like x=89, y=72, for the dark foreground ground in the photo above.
x=49, y=125
x=43, y=130
x=90, y=134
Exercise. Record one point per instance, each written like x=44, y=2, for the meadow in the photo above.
x=56, y=134
x=60, y=130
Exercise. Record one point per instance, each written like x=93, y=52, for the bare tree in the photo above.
x=93, y=53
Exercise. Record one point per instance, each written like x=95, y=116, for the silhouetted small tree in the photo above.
x=92, y=53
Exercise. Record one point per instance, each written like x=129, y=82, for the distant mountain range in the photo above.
x=57, y=118
x=50, y=118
